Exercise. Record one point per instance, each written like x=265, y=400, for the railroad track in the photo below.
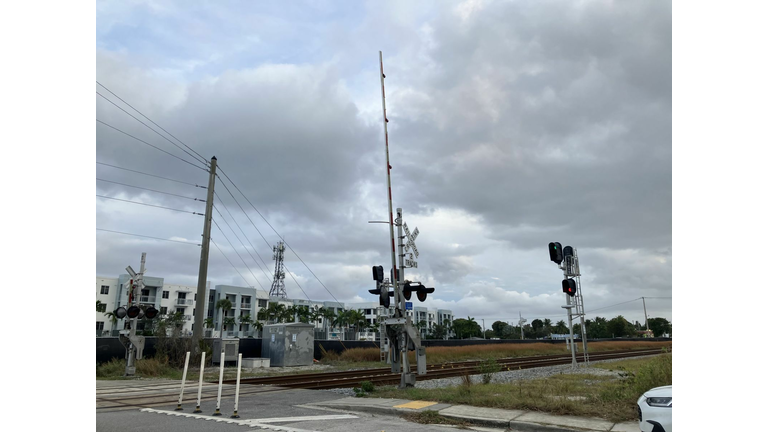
x=383, y=376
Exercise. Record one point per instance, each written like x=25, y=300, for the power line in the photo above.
x=151, y=175
x=156, y=238
x=151, y=205
x=230, y=262
x=152, y=190
x=278, y=234
x=238, y=238
x=152, y=145
x=148, y=127
x=237, y=253
x=142, y=114
x=265, y=240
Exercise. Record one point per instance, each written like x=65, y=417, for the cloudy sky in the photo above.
x=512, y=124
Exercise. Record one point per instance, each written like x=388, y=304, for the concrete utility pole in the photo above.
x=646, y=315
x=202, y=276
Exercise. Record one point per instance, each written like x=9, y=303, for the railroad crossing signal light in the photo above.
x=569, y=287
x=383, y=292
x=120, y=312
x=568, y=251
x=378, y=273
x=421, y=294
x=134, y=311
x=151, y=312
x=556, y=252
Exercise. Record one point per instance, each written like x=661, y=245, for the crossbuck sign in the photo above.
x=411, y=245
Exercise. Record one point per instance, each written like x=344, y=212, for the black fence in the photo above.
x=108, y=348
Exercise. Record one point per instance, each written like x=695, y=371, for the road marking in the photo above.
x=261, y=423
x=415, y=405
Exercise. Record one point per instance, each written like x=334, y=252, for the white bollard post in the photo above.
x=221, y=379
x=200, y=388
x=237, y=384
x=183, y=380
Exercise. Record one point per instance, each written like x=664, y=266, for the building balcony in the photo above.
x=184, y=302
x=147, y=299
x=245, y=306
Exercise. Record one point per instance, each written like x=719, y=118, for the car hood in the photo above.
x=665, y=391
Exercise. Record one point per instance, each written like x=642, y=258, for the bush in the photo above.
x=488, y=368
x=367, y=386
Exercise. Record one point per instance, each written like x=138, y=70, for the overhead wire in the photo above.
x=238, y=238
x=151, y=175
x=152, y=145
x=278, y=234
x=142, y=114
x=156, y=238
x=150, y=205
x=230, y=262
x=151, y=190
x=237, y=253
x=202, y=159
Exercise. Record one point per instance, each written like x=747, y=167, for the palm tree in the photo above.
x=208, y=322
x=356, y=319
x=329, y=315
x=246, y=320
x=223, y=305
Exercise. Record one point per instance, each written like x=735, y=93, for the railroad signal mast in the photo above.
x=399, y=328
x=134, y=345
x=567, y=260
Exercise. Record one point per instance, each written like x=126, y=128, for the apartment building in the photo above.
x=245, y=301
x=166, y=298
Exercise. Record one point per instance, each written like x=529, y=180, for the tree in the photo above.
x=498, y=328
x=620, y=327
x=438, y=331
x=223, y=305
x=561, y=328
x=597, y=329
x=466, y=328
x=659, y=326
x=537, y=324
x=246, y=320
x=548, y=325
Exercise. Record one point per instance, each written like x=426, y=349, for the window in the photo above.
x=105, y=289
x=101, y=308
x=99, y=325
x=262, y=303
x=163, y=310
x=180, y=310
x=165, y=294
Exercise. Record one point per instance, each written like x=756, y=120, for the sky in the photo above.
x=512, y=124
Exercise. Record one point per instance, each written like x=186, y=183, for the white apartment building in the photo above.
x=245, y=301
x=166, y=298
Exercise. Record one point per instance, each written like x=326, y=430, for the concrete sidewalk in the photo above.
x=499, y=418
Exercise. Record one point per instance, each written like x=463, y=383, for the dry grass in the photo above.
x=588, y=395
x=437, y=355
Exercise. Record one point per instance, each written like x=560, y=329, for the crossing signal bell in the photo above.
x=569, y=287
x=556, y=252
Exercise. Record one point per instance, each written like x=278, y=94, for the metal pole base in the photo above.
x=234, y=415
x=197, y=409
x=407, y=380
x=217, y=413
x=179, y=408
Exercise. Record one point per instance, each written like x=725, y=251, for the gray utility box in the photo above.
x=289, y=344
x=231, y=349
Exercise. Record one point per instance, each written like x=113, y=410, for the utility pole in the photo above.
x=646, y=315
x=202, y=277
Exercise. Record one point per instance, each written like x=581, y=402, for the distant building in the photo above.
x=245, y=301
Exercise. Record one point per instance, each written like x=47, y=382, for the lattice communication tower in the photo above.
x=278, y=281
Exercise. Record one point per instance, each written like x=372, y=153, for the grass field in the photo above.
x=608, y=397
x=362, y=358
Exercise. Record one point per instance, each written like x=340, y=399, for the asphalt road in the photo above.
x=274, y=410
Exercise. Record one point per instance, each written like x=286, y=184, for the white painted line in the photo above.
x=261, y=423
x=303, y=418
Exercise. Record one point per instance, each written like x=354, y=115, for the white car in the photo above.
x=654, y=409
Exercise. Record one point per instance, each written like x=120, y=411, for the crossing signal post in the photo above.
x=567, y=260
x=134, y=345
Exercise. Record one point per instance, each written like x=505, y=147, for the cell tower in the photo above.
x=278, y=282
